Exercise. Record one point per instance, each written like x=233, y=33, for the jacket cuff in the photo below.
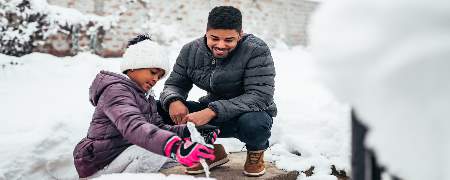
x=214, y=107
x=171, y=100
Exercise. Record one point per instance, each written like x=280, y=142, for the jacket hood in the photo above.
x=105, y=79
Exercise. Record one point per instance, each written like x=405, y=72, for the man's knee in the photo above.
x=255, y=123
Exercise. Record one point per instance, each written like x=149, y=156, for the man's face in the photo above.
x=222, y=41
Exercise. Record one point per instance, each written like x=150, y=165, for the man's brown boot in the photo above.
x=254, y=164
x=221, y=159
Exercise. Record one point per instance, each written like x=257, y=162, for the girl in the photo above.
x=126, y=133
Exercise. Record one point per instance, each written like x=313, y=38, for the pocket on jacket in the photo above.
x=84, y=148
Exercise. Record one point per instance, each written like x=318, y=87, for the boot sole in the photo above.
x=255, y=174
x=211, y=166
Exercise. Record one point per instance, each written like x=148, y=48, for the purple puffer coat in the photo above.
x=123, y=116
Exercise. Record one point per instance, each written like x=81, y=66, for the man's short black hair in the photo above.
x=139, y=38
x=225, y=17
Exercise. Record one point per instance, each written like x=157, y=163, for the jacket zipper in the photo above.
x=212, y=73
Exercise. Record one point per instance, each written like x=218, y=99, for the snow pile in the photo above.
x=68, y=16
x=48, y=112
x=390, y=59
x=310, y=121
x=148, y=176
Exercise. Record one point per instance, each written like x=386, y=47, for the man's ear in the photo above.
x=240, y=35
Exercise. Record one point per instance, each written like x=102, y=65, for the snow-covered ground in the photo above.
x=45, y=111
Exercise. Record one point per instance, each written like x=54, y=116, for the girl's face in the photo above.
x=146, y=78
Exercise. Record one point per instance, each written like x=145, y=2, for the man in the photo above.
x=237, y=72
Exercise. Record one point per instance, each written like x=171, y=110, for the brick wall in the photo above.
x=167, y=20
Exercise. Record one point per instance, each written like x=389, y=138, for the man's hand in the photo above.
x=200, y=117
x=178, y=111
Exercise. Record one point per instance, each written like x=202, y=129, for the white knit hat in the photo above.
x=145, y=54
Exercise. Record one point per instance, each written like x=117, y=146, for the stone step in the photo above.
x=233, y=170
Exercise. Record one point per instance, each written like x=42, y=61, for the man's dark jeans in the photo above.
x=252, y=128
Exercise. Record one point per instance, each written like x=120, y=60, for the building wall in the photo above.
x=167, y=20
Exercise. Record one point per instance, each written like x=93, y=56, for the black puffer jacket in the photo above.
x=242, y=82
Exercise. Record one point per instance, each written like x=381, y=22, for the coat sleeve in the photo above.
x=178, y=85
x=121, y=108
x=180, y=130
x=259, y=87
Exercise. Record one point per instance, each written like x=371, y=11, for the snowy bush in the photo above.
x=25, y=24
x=20, y=26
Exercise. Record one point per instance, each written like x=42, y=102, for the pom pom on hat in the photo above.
x=145, y=54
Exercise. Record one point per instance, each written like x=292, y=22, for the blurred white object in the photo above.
x=196, y=137
x=391, y=61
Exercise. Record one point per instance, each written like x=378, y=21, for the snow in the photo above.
x=317, y=177
x=47, y=112
x=147, y=177
x=69, y=16
x=390, y=60
x=309, y=120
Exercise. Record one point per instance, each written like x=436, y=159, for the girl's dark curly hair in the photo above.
x=139, y=38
